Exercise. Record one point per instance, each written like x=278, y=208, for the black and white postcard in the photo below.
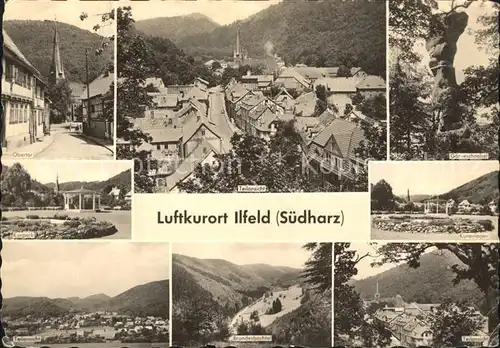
x=251, y=295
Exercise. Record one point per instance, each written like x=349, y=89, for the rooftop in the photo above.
x=372, y=82
x=347, y=135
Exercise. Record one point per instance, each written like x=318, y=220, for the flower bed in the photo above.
x=431, y=224
x=34, y=227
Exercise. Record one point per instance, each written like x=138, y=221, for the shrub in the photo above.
x=60, y=216
x=88, y=220
x=442, y=222
x=487, y=224
x=34, y=217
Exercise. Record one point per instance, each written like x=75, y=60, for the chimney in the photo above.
x=249, y=73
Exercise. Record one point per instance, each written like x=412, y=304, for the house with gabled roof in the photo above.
x=416, y=333
x=359, y=118
x=190, y=109
x=164, y=105
x=198, y=94
x=464, y=206
x=251, y=108
x=197, y=130
x=204, y=153
x=154, y=82
x=99, y=99
x=260, y=82
x=201, y=83
x=292, y=80
x=263, y=123
x=493, y=205
x=179, y=89
x=25, y=113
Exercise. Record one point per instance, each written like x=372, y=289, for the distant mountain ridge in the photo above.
x=123, y=179
x=178, y=27
x=417, y=197
x=210, y=293
x=434, y=278
x=150, y=299
x=481, y=190
x=35, y=40
x=229, y=283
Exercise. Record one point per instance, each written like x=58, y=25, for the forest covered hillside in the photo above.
x=150, y=299
x=434, y=278
x=123, y=179
x=178, y=27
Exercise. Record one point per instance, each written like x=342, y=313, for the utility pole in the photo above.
x=88, y=86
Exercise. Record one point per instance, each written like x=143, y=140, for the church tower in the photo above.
x=377, y=294
x=56, y=68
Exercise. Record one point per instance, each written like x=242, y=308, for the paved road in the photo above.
x=119, y=218
x=71, y=145
x=216, y=100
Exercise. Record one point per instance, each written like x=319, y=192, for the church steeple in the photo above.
x=56, y=68
x=237, y=51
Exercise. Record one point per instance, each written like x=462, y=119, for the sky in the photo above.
x=222, y=12
x=364, y=267
x=274, y=254
x=428, y=177
x=46, y=171
x=63, y=11
x=468, y=52
x=57, y=269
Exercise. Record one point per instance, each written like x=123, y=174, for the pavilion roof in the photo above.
x=81, y=190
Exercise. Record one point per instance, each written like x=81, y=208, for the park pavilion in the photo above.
x=82, y=200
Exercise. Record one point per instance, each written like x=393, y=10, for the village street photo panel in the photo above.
x=251, y=295
x=57, y=86
x=66, y=199
x=409, y=295
x=75, y=294
x=251, y=96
